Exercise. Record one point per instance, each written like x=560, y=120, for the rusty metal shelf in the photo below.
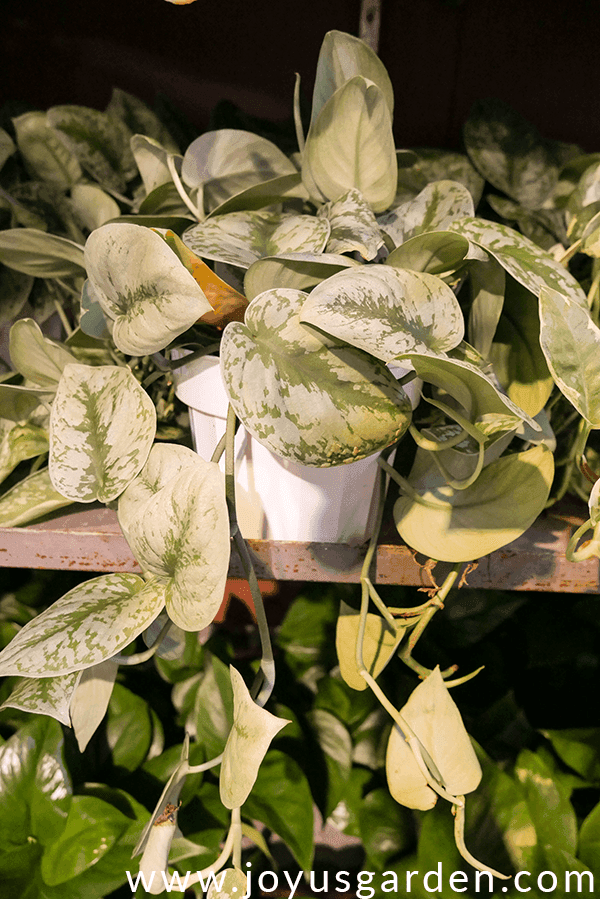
x=88, y=538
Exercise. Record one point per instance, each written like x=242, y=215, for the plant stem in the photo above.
x=437, y=602
x=181, y=190
x=458, y=811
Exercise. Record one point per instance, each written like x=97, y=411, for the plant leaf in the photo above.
x=297, y=270
x=41, y=255
x=386, y=311
x=379, y=645
x=45, y=696
x=354, y=228
x=102, y=426
x=181, y=535
x=88, y=625
x=247, y=744
x=461, y=525
x=15, y=288
x=436, y=252
x=350, y=145
x=142, y=285
x=44, y=152
x=31, y=498
x=90, y=700
x=36, y=357
x=306, y=397
x=438, y=204
x=93, y=206
x=570, y=341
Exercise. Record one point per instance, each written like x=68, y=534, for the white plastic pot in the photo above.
x=277, y=499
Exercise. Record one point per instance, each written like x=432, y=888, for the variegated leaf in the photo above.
x=341, y=57
x=524, y=260
x=438, y=204
x=436, y=252
x=181, y=535
x=379, y=645
x=307, y=397
x=297, y=270
x=231, y=883
x=90, y=699
x=165, y=461
x=36, y=357
x=247, y=744
x=142, y=285
x=570, y=341
x=350, y=145
x=19, y=442
x=426, y=165
x=45, y=696
x=354, y=228
x=461, y=525
x=240, y=238
x=30, y=499
x=386, y=311
x=45, y=153
x=102, y=426
x=88, y=625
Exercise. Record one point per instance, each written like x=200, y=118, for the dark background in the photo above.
x=542, y=57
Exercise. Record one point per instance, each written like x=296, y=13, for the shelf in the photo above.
x=88, y=538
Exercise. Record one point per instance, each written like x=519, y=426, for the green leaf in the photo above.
x=386, y=311
x=542, y=793
x=461, y=525
x=510, y=153
x=45, y=696
x=300, y=271
x=92, y=828
x=139, y=118
x=570, y=341
x=281, y=799
x=250, y=737
x=214, y=708
x=354, y=228
x=89, y=624
x=488, y=282
x=15, y=288
x=44, y=152
x=436, y=252
x=181, y=535
x=100, y=143
x=379, y=645
x=142, y=285
x=265, y=193
x=128, y=728
x=93, y=206
x=35, y=788
x=36, y=357
x=342, y=56
x=589, y=841
x=102, y=426
x=90, y=700
x=425, y=165
x=526, y=262
x=240, y=238
x=435, y=207
x=350, y=145
x=41, y=255
x=336, y=743
x=307, y=397
x=385, y=828
x=516, y=354
x=579, y=748
x=29, y=499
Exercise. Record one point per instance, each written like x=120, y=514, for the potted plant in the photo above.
x=342, y=279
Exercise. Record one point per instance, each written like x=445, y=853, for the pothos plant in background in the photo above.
x=332, y=270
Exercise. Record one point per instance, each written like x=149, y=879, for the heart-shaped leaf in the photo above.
x=341, y=57
x=436, y=252
x=89, y=624
x=102, y=426
x=308, y=398
x=379, y=645
x=247, y=744
x=524, y=260
x=570, y=341
x=240, y=238
x=386, y=311
x=36, y=357
x=45, y=696
x=298, y=270
x=181, y=535
x=350, y=145
x=142, y=285
x=461, y=525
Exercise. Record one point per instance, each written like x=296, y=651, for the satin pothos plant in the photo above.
x=314, y=276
